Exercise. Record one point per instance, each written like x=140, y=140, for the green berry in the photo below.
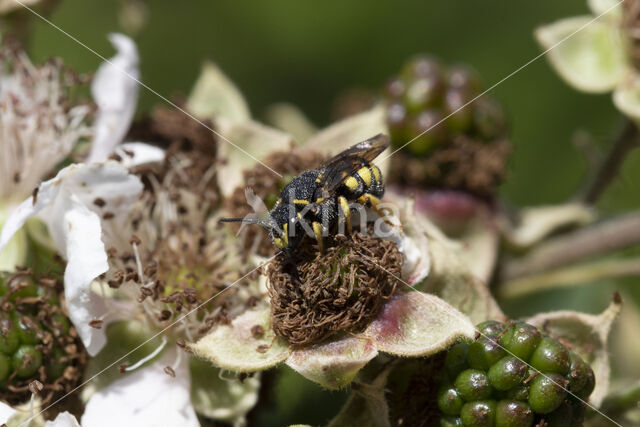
x=473, y=384
x=547, y=393
x=507, y=373
x=512, y=413
x=459, y=114
x=427, y=131
x=60, y=324
x=550, y=357
x=521, y=339
x=449, y=400
x=26, y=361
x=397, y=119
x=395, y=89
x=484, y=352
x=590, y=384
x=463, y=78
x=9, y=337
x=578, y=373
x=27, y=331
x=456, y=359
x=490, y=327
x=478, y=414
x=5, y=367
x=520, y=392
x=449, y=421
x=488, y=118
x=422, y=94
x=56, y=364
x=422, y=66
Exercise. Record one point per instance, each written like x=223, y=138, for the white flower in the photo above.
x=146, y=397
x=592, y=52
x=115, y=91
x=38, y=129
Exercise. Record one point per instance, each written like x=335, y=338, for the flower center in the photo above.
x=315, y=295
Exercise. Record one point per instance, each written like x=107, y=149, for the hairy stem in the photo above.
x=592, y=241
x=570, y=276
x=627, y=139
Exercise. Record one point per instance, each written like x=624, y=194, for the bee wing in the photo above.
x=335, y=170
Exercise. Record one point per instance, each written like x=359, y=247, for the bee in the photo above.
x=323, y=196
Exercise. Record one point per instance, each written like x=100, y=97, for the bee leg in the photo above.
x=346, y=212
x=317, y=229
x=371, y=200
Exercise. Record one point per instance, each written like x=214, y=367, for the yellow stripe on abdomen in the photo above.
x=351, y=183
x=365, y=174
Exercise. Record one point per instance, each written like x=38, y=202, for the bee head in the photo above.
x=278, y=235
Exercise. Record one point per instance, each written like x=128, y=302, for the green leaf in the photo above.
x=226, y=399
x=589, y=56
x=588, y=335
x=238, y=348
x=627, y=97
x=334, y=364
x=418, y=324
x=215, y=96
x=534, y=224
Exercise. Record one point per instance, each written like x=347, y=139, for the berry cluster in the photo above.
x=426, y=95
x=36, y=339
x=490, y=382
x=457, y=137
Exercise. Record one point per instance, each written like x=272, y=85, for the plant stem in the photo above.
x=570, y=276
x=622, y=401
x=627, y=139
x=598, y=239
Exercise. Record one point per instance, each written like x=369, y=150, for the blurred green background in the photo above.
x=308, y=53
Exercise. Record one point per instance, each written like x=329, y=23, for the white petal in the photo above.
x=115, y=91
x=588, y=55
x=146, y=397
x=86, y=260
x=63, y=419
x=66, y=202
x=6, y=412
x=138, y=153
x=289, y=118
x=48, y=191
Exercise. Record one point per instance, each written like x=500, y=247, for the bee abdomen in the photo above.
x=367, y=179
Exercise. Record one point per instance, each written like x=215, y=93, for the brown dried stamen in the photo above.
x=315, y=295
x=267, y=186
x=462, y=164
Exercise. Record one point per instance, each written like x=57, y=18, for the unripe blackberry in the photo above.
x=37, y=341
x=513, y=375
x=458, y=139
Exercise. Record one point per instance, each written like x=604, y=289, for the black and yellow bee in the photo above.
x=322, y=196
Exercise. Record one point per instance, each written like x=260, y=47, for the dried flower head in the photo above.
x=38, y=124
x=314, y=295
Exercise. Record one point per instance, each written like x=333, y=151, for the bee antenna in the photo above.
x=255, y=221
